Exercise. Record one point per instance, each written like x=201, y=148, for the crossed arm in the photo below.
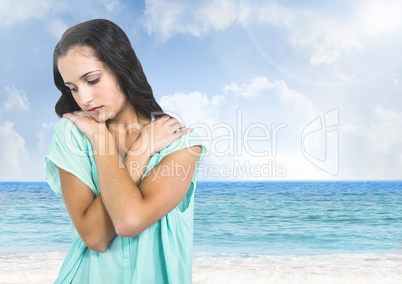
x=125, y=205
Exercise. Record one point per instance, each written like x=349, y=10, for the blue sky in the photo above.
x=277, y=89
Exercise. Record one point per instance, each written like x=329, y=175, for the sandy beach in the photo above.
x=343, y=268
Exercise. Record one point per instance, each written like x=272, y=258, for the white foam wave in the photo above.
x=341, y=268
x=30, y=268
x=331, y=269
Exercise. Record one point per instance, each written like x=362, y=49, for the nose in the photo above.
x=85, y=95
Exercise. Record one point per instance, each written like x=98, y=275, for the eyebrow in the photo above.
x=83, y=76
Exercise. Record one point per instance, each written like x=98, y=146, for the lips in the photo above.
x=94, y=110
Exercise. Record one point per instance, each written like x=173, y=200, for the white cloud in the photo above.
x=343, y=76
x=395, y=79
x=13, y=153
x=221, y=14
x=372, y=150
x=49, y=125
x=167, y=18
x=251, y=128
x=385, y=134
x=379, y=17
x=324, y=35
x=110, y=5
x=192, y=108
x=353, y=129
x=198, y=107
x=294, y=97
x=16, y=99
x=14, y=12
x=43, y=141
x=57, y=27
x=164, y=18
x=261, y=86
x=19, y=11
x=250, y=90
x=275, y=14
x=327, y=38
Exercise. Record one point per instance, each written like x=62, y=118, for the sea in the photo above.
x=244, y=232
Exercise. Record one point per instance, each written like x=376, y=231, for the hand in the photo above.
x=86, y=123
x=157, y=135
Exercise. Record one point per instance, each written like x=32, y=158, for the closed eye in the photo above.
x=75, y=89
x=93, y=82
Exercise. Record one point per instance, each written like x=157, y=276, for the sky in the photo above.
x=277, y=90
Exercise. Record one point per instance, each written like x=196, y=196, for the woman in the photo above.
x=127, y=180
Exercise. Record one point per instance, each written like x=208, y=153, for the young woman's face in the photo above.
x=92, y=84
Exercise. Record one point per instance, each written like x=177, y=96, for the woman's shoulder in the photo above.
x=66, y=133
x=66, y=128
x=64, y=125
x=186, y=141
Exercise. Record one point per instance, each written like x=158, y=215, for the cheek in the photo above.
x=75, y=97
x=120, y=98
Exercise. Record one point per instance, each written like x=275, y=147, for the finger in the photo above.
x=158, y=115
x=67, y=115
x=188, y=130
x=174, y=122
x=169, y=123
x=183, y=131
x=71, y=116
x=163, y=118
x=74, y=116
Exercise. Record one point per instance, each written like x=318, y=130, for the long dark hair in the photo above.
x=110, y=45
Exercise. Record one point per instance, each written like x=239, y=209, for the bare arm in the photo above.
x=131, y=208
x=134, y=206
x=87, y=212
x=154, y=137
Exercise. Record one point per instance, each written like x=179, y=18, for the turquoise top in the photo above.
x=160, y=254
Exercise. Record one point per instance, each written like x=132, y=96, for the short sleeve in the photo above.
x=187, y=141
x=71, y=151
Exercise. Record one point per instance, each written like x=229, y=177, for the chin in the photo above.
x=102, y=118
x=98, y=119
